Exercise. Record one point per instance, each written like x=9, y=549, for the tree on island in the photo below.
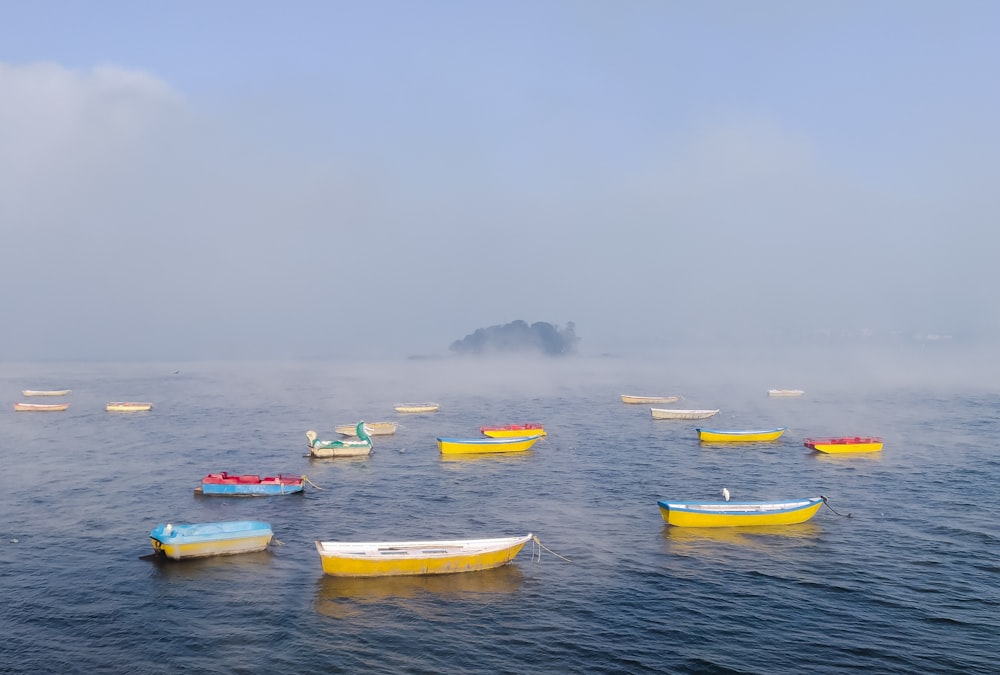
x=518, y=336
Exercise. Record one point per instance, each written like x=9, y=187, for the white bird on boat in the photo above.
x=725, y=493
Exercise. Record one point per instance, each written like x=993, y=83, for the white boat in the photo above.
x=628, y=398
x=416, y=407
x=675, y=414
x=785, y=392
x=45, y=392
x=373, y=429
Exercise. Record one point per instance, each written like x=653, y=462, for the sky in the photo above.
x=312, y=180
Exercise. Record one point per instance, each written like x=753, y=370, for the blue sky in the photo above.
x=324, y=179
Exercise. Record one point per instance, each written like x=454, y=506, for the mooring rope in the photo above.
x=535, y=539
x=306, y=479
x=825, y=501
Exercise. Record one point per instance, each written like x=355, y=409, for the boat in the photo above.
x=845, y=444
x=735, y=514
x=40, y=407
x=227, y=485
x=416, y=407
x=400, y=558
x=513, y=430
x=475, y=446
x=675, y=414
x=740, y=436
x=626, y=398
x=199, y=540
x=45, y=392
x=373, y=428
x=128, y=406
x=784, y=392
x=341, y=448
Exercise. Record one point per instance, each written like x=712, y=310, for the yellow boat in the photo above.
x=626, y=398
x=388, y=559
x=742, y=436
x=416, y=407
x=732, y=514
x=513, y=430
x=470, y=446
x=128, y=406
x=40, y=407
x=844, y=444
x=373, y=429
x=45, y=392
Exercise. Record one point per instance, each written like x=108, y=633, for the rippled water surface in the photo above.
x=908, y=583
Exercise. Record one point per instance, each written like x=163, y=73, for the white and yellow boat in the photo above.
x=128, y=406
x=45, y=392
x=473, y=446
x=199, y=540
x=40, y=407
x=740, y=436
x=373, y=429
x=784, y=393
x=416, y=407
x=844, y=444
x=387, y=558
x=628, y=398
x=732, y=514
x=513, y=430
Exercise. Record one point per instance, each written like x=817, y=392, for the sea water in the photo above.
x=900, y=575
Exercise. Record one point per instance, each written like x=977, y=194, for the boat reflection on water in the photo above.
x=699, y=540
x=346, y=597
x=495, y=457
x=235, y=566
x=847, y=458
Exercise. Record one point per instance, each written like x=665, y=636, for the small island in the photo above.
x=519, y=337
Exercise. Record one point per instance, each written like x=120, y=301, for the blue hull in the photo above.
x=249, y=490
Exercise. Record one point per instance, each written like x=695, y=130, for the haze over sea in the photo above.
x=907, y=583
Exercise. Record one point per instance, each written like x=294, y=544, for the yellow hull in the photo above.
x=470, y=447
x=844, y=448
x=738, y=436
x=513, y=433
x=410, y=558
x=730, y=515
x=129, y=407
x=204, y=549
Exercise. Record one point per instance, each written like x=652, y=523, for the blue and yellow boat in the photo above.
x=739, y=436
x=734, y=514
x=473, y=446
x=198, y=540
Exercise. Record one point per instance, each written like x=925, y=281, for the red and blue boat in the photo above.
x=229, y=485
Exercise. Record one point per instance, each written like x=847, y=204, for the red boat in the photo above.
x=225, y=484
x=844, y=444
x=513, y=430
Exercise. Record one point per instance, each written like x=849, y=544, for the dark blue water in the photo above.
x=910, y=582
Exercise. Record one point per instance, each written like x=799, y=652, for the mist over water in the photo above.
x=911, y=566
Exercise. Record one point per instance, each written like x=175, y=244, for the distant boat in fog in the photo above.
x=785, y=392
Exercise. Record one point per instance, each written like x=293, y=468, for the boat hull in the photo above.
x=743, y=436
x=373, y=428
x=389, y=559
x=349, y=449
x=416, y=407
x=513, y=431
x=844, y=445
x=224, y=485
x=673, y=414
x=475, y=446
x=784, y=393
x=179, y=542
x=731, y=514
x=40, y=407
x=649, y=399
x=128, y=407
x=45, y=392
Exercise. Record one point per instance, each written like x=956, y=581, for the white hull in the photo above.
x=669, y=414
